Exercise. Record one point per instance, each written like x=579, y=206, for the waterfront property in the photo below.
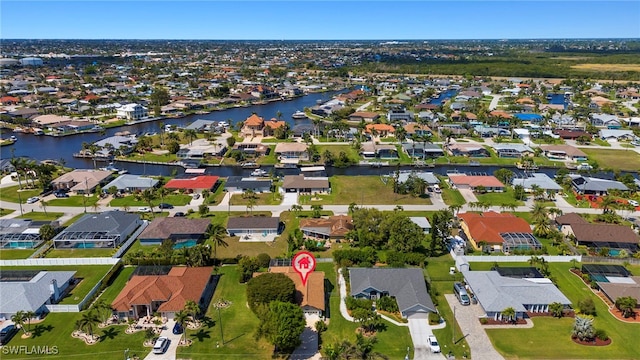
x=32, y=290
x=303, y=184
x=371, y=150
x=497, y=232
x=331, y=228
x=525, y=295
x=513, y=150
x=82, y=181
x=193, y=185
x=563, y=152
x=181, y=231
x=292, y=152
x=594, y=186
x=132, y=112
x=474, y=182
x=254, y=226
x=366, y=116
x=165, y=291
x=105, y=230
x=469, y=150
x=127, y=183
x=407, y=286
x=541, y=180
x=241, y=184
x=422, y=150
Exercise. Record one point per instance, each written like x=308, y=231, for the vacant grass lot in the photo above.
x=41, y=216
x=535, y=343
x=11, y=194
x=363, y=190
x=607, y=67
x=76, y=200
x=260, y=199
x=56, y=330
x=131, y=201
x=499, y=198
x=614, y=159
x=90, y=274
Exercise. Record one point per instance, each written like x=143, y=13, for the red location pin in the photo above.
x=304, y=263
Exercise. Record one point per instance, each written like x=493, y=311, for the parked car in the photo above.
x=178, y=214
x=61, y=194
x=144, y=209
x=633, y=202
x=32, y=200
x=7, y=333
x=165, y=206
x=177, y=329
x=161, y=345
x=433, y=344
x=461, y=293
x=196, y=196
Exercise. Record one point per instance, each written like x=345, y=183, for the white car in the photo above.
x=32, y=200
x=433, y=344
x=144, y=209
x=633, y=202
x=161, y=345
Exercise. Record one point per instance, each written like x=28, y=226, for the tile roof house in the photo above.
x=470, y=150
x=32, y=290
x=105, y=230
x=489, y=182
x=302, y=184
x=82, y=181
x=183, y=232
x=167, y=294
x=407, y=286
x=496, y=293
x=598, y=235
x=310, y=296
x=253, y=126
x=331, y=228
x=248, y=225
x=292, y=151
x=563, y=152
x=271, y=126
x=195, y=184
x=499, y=231
x=381, y=130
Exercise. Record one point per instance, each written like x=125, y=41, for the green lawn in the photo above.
x=79, y=253
x=4, y=212
x=260, y=199
x=90, y=274
x=117, y=284
x=15, y=254
x=601, y=142
x=452, y=197
x=362, y=190
x=77, y=200
x=131, y=201
x=499, y=198
x=614, y=159
x=336, y=149
x=56, y=330
x=534, y=343
x=11, y=194
x=41, y=216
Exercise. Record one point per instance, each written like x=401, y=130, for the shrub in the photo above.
x=354, y=303
x=587, y=306
x=387, y=303
x=263, y=260
x=434, y=318
x=321, y=326
x=586, y=278
x=602, y=334
x=484, y=321
x=270, y=287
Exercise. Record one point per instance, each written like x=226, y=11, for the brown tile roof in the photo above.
x=274, y=124
x=311, y=294
x=604, y=233
x=173, y=290
x=488, y=226
x=567, y=149
x=501, y=114
x=163, y=228
x=475, y=180
x=570, y=218
x=254, y=120
x=336, y=226
x=379, y=127
x=302, y=182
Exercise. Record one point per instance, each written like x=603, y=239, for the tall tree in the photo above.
x=282, y=326
x=440, y=231
x=217, y=234
x=181, y=317
x=89, y=321
x=148, y=195
x=18, y=319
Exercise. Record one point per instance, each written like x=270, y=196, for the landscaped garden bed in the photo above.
x=594, y=342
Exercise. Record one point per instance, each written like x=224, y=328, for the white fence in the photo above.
x=60, y=261
x=130, y=240
x=521, y=258
x=63, y=308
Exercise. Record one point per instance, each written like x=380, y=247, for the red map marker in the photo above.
x=304, y=264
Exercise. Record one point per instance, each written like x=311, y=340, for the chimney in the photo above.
x=55, y=291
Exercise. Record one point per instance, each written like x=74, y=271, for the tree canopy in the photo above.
x=270, y=287
x=282, y=325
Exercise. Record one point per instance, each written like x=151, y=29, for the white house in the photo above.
x=132, y=112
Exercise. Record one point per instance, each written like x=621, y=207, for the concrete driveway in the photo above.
x=420, y=329
x=308, y=349
x=171, y=352
x=289, y=199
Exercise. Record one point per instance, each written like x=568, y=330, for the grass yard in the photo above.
x=614, y=159
x=260, y=199
x=56, y=330
x=15, y=254
x=79, y=253
x=11, y=194
x=452, y=197
x=336, y=149
x=41, y=216
x=131, y=201
x=90, y=275
x=392, y=342
x=76, y=200
x=607, y=67
x=499, y=198
x=4, y=212
x=117, y=285
x=362, y=190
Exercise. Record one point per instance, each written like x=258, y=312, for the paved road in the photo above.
x=494, y=102
x=467, y=318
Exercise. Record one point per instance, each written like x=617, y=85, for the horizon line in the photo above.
x=382, y=39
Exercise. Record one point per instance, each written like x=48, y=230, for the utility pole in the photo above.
x=453, y=326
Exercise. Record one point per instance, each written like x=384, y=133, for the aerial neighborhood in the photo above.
x=153, y=200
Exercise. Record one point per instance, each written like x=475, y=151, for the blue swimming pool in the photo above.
x=614, y=252
x=20, y=245
x=185, y=244
x=529, y=117
x=84, y=246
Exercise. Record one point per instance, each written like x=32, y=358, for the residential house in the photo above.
x=541, y=180
x=488, y=182
x=571, y=134
x=466, y=149
x=272, y=125
x=117, y=143
x=598, y=236
x=72, y=126
x=253, y=126
x=497, y=232
x=32, y=290
x=416, y=129
x=371, y=150
x=512, y=150
x=128, y=183
x=563, y=152
x=193, y=185
x=310, y=295
x=253, y=225
x=242, y=184
x=182, y=232
x=422, y=150
x=605, y=120
x=594, y=186
x=303, y=184
x=292, y=152
x=422, y=222
x=21, y=233
x=406, y=285
x=399, y=114
x=525, y=295
x=166, y=293
x=365, y=116
x=613, y=135
x=132, y=112
x=381, y=130
x=82, y=181
x=105, y=230
x=331, y=228
x=252, y=149
x=427, y=177
x=614, y=290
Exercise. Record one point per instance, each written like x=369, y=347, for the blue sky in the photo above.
x=317, y=20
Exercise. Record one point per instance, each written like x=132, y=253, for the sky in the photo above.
x=319, y=20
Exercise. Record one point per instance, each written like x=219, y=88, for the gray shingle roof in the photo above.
x=406, y=285
x=541, y=179
x=496, y=293
x=253, y=222
x=112, y=222
x=585, y=183
x=128, y=181
x=30, y=295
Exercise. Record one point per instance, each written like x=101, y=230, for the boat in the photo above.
x=527, y=166
x=250, y=165
x=299, y=115
x=37, y=132
x=474, y=163
x=258, y=172
x=13, y=138
x=285, y=166
x=18, y=130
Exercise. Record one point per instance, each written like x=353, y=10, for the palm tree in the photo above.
x=295, y=208
x=454, y=208
x=88, y=321
x=161, y=124
x=18, y=319
x=607, y=203
x=509, y=313
x=539, y=212
x=190, y=134
x=217, y=233
x=181, y=318
x=193, y=309
x=43, y=205
x=18, y=165
x=162, y=192
x=250, y=204
x=149, y=196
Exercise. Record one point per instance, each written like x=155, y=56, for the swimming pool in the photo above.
x=185, y=244
x=614, y=252
x=20, y=245
x=84, y=246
